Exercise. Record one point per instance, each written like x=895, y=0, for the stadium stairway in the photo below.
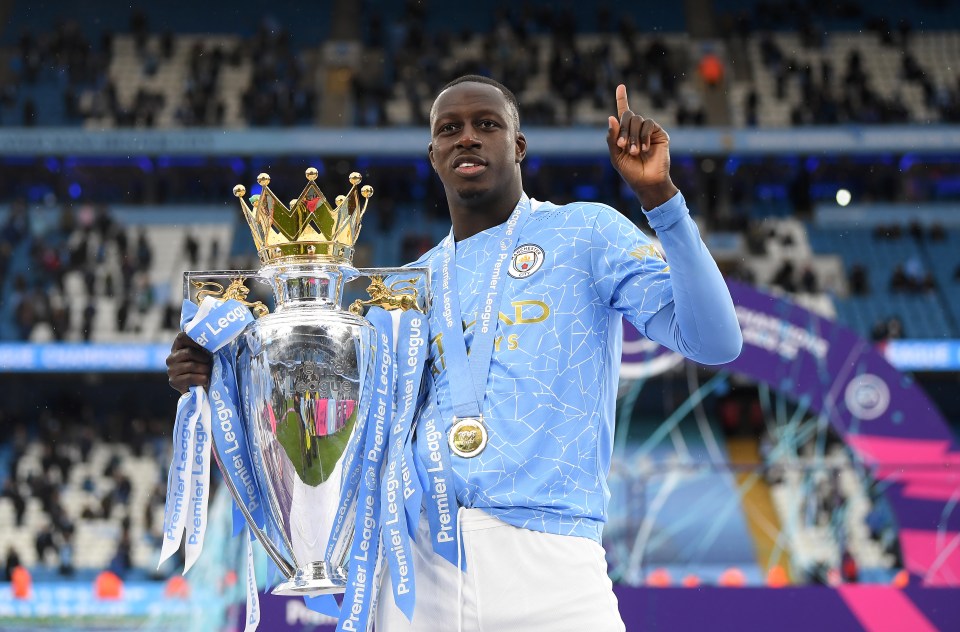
x=758, y=508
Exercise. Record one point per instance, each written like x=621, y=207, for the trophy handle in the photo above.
x=389, y=298
x=285, y=567
x=237, y=290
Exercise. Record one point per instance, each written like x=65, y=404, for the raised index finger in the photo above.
x=622, y=104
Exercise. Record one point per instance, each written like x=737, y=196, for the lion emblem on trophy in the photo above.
x=236, y=291
x=392, y=297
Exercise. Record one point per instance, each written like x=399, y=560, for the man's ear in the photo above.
x=430, y=156
x=521, y=147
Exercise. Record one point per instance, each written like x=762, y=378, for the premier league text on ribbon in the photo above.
x=367, y=530
x=441, y=493
x=396, y=542
x=383, y=391
x=180, y=470
x=237, y=314
x=239, y=471
x=199, y=485
x=411, y=351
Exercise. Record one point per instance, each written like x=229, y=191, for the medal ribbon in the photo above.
x=467, y=401
x=466, y=398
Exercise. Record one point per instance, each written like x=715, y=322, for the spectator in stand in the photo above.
x=44, y=542
x=751, y=106
x=54, y=459
x=123, y=314
x=16, y=499
x=859, y=282
x=192, y=247
x=122, y=561
x=171, y=317
x=13, y=561
x=898, y=280
x=66, y=553
x=153, y=507
x=711, y=69
x=808, y=279
x=784, y=277
x=89, y=313
x=121, y=488
x=888, y=329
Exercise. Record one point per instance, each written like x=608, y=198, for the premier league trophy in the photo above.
x=293, y=444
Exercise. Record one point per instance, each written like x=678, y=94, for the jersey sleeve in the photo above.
x=629, y=273
x=701, y=322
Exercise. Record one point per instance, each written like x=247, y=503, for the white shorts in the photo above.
x=516, y=579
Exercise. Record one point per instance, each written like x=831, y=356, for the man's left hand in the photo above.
x=640, y=152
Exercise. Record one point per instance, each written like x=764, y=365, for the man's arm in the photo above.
x=701, y=322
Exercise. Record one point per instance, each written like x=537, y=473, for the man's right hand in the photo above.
x=188, y=364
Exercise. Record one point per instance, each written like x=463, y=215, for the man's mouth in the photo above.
x=468, y=166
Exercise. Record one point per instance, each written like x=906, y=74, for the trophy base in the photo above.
x=316, y=578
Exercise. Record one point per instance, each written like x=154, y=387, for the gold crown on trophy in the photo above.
x=310, y=229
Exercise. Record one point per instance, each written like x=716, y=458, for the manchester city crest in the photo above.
x=526, y=260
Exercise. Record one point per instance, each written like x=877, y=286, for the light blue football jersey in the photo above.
x=551, y=390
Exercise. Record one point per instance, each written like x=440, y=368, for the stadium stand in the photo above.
x=93, y=248
x=828, y=512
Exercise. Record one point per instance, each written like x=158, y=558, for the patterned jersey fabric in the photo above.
x=551, y=389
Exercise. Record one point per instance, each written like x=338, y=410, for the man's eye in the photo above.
x=488, y=124
x=449, y=127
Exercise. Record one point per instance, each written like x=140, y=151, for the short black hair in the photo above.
x=507, y=93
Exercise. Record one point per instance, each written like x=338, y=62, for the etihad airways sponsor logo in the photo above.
x=525, y=312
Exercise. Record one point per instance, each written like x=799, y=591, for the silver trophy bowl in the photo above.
x=304, y=376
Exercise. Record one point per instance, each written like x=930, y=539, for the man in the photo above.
x=535, y=292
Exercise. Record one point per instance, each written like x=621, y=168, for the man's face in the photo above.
x=475, y=144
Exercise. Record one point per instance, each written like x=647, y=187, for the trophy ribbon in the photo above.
x=412, y=490
x=213, y=325
x=179, y=477
x=253, y=598
x=412, y=343
x=361, y=587
x=199, y=483
x=466, y=399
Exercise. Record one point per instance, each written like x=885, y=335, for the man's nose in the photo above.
x=468, y=137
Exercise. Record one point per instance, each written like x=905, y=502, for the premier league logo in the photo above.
x=526, y=260
x=867, y=396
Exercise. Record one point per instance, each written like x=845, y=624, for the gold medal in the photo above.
x=468, y=436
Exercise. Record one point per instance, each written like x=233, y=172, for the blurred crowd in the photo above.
x=81, y=241
x=409, y=58
x=66, y=433
x=424, y=60
x=857, y=99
